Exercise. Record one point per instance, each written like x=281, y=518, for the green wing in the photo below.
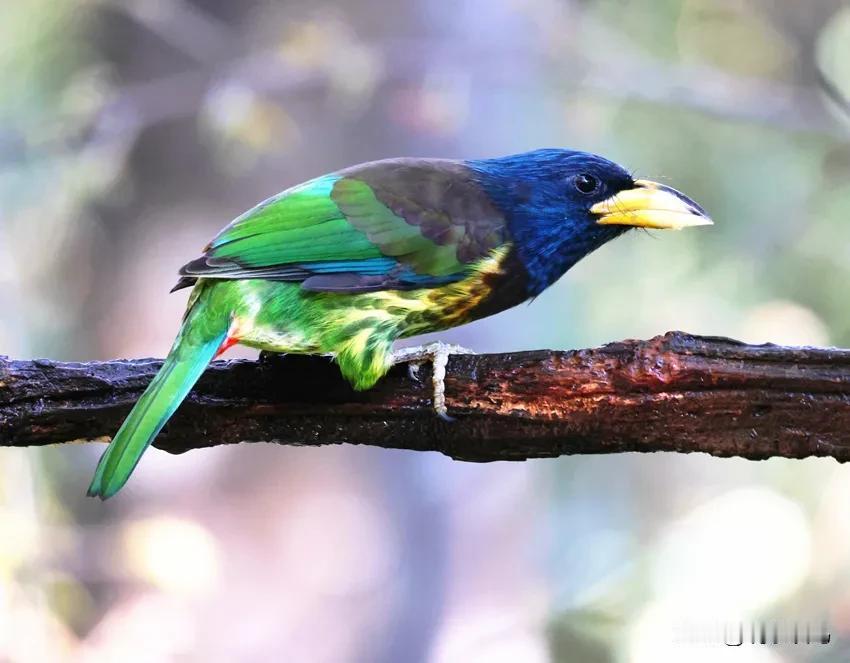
x=394, y=224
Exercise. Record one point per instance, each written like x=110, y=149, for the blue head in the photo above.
x=561, y=205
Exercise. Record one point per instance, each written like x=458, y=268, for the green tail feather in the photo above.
x=197, y=343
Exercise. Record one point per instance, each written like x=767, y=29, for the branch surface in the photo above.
x=676, y=392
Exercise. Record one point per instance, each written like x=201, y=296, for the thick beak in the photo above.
x=651, y=205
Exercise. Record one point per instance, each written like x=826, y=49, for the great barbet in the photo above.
x=347, y=263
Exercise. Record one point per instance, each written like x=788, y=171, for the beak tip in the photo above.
x=703, y=220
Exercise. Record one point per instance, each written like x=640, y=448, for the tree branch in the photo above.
x=671, y=393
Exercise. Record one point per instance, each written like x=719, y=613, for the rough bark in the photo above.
x=672, y=393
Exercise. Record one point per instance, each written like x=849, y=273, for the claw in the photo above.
x=438, y=354
x=412, y=369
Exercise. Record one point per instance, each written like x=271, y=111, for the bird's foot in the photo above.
x=438, y=354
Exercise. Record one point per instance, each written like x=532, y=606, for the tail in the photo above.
x=203, y=333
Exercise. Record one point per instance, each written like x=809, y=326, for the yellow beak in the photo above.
x=651, y=205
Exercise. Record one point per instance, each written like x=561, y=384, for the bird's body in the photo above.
x=348, y=263
x=358, y=328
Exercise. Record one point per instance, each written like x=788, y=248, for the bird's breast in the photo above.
x=493, y=285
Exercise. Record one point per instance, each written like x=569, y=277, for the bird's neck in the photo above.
x=546, y=250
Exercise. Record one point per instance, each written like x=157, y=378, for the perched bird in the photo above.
x=349, y=262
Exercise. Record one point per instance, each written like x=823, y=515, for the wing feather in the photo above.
x=395, y=224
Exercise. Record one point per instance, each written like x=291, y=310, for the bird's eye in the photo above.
x=586, y=184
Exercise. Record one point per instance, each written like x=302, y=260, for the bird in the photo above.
x=350, y=262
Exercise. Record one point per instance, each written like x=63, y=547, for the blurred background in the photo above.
x=132, y=130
